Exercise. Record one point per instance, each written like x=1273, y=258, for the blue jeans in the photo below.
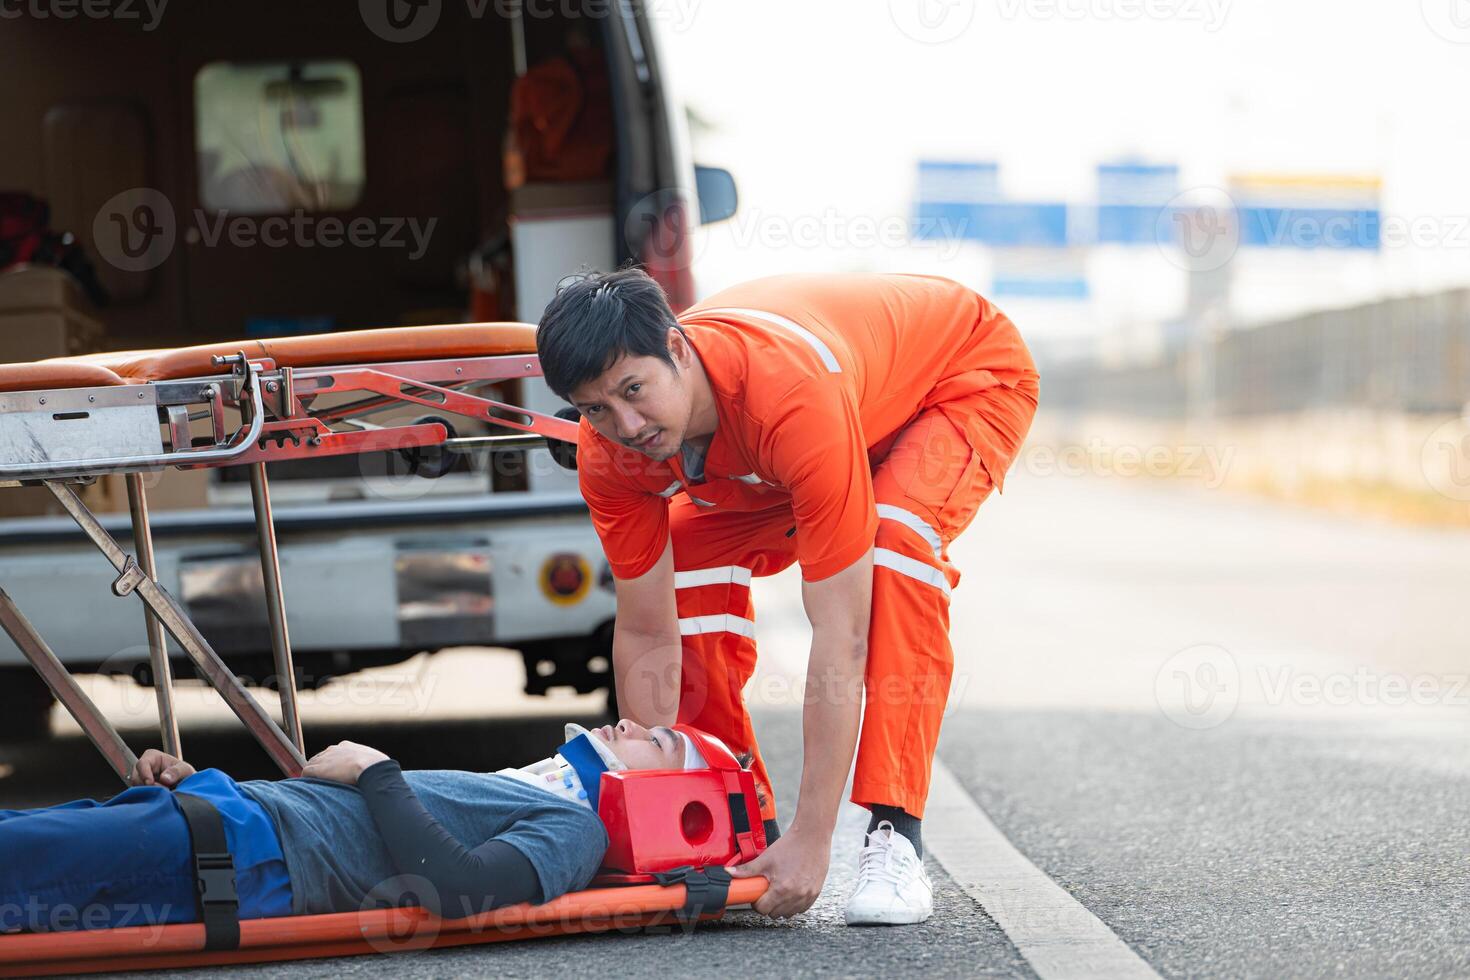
x=126, y=862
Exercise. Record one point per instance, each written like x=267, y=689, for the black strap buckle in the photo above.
x=215, y=874
x=705, y=890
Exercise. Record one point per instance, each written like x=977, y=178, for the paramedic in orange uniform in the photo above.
x=849, y=423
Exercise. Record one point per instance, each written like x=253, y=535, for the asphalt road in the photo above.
x=1236, y=733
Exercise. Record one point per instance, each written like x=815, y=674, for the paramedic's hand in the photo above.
x=157, y=768
x=342, y=763
x=796, y=867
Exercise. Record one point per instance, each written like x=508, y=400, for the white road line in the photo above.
x=1051, y=929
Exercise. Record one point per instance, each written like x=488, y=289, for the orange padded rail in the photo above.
x=348, y=933
x=41, y=375
x=312, y=350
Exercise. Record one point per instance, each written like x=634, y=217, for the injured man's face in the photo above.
x=642, y=748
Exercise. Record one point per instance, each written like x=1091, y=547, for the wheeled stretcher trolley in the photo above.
x=66, y=421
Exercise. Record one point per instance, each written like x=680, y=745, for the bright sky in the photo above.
x=823, y=108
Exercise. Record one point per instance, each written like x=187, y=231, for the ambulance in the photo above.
x=179, y=173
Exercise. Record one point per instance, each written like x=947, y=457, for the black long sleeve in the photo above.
x=467, y=881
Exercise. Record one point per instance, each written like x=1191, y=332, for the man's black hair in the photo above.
x=597, y=317
x=746, y=759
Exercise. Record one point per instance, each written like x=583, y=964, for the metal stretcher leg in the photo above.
x=163, y=675
x=131, y=579
x=275, y=603
x=64, y=686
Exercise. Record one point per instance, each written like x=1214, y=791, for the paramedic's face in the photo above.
x=643, y=748
x=641, y=402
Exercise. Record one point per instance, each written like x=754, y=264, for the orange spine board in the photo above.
x=348, y=933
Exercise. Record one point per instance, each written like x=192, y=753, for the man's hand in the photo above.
x=796, y=867
x=157, y=768
x=342, y=763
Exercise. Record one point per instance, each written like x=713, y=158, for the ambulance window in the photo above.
x=277, y=137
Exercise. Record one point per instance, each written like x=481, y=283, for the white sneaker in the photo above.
x=893, y=887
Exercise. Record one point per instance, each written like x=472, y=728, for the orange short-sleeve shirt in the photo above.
x=809, y=373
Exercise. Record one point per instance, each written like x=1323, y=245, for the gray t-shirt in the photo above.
x=337, y=860
x=693, y=460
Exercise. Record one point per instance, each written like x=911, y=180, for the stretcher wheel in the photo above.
x=565, y=453
x=430, y=462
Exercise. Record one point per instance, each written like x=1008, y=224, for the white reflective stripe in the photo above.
x=671, y=489
x=914, y=522
x=912, y=567
x=718, y=623
x=750, y=478
x=723, y=575
x=823, y=351
x=702, y=503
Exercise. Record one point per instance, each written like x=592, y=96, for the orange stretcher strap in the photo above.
x=312, y=350
x=350, y=933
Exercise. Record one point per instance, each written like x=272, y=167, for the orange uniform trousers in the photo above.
x=928, y=482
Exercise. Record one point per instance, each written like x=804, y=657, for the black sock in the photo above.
x=773, y=832
x=910, y=827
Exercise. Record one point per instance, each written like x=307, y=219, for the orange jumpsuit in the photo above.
x=854, y=411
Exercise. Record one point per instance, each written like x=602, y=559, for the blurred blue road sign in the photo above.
x=954, y=182
x=1129, y=198
x=959, y=201
x=1002, y=224
x=1038, y=288
x=1308, y=211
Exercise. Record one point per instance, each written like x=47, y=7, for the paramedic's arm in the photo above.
x=839, y=608
x=796, y=865
x=647, y=650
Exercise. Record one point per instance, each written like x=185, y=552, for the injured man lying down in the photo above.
x=353, y=832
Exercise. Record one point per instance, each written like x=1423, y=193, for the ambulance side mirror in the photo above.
x=718, y=198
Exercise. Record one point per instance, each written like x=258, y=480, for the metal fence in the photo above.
x=1408, y=354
